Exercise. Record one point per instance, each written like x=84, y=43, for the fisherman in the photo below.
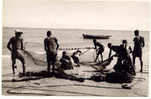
x=124, y=71
x=124, y=63
x=117, y=50
x=15, y=45
x=99, y=49
x=51, y=47
x=137, y=51
x=114, y=48
x=75, y=57
x=66, y=62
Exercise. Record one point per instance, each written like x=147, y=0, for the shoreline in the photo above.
x=55, y=86
x=68, y=87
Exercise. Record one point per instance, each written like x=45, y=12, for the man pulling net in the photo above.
x=124, y=62
x=15, y=45
x=99, y=49
x=123, y=69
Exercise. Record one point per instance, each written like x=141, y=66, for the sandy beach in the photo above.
x=37, y=26
x=62, y=87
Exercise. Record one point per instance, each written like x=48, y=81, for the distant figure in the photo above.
x=51, y=46
x=99, y=49
x=137, y=51
x=15, y=45
x=75, y=57
x=66, y=61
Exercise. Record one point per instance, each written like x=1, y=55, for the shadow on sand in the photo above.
x=43, y=74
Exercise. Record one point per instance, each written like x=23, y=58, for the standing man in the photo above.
x=51, y=46
x=15, y=44
x=99, y=50
x=137, y=51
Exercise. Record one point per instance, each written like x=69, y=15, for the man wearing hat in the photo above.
x=15, y=44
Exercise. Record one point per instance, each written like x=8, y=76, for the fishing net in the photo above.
x=36, y=52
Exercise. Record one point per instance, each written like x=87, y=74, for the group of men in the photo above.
x=15, y=45
x=51, y=46
x=123, y=53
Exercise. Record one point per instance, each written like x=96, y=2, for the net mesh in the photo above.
x=36, y=52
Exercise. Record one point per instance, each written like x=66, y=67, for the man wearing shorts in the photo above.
x=137, y=51
x=15, y=44
x=51, y=46
x=99, y=50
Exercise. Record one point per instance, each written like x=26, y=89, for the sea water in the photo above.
x=72, y=38
x=69, y=38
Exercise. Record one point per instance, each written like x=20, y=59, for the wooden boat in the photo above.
x=86, y=36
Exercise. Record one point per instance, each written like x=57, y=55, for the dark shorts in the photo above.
x=100, y=50
x=51, y=57
x=75, y=59
x=137, y=53
x=17, y=55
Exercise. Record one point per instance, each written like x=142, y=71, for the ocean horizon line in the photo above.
x=71, y=29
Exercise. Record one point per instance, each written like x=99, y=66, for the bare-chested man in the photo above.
x=15, y=44
x=51, y=46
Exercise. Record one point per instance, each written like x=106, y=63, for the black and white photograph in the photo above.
x=75, y=48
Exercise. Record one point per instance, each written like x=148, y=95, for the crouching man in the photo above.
x=75, y=57
x=66, y=62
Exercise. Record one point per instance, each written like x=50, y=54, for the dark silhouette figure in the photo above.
x=75, y=57
x=115, y=48
x=124, y=71
x=99, y=49
x=137, y=51
x=66, y=61
x=118, y=54
x=15, y=44
x=51, y=46
x=124, y=63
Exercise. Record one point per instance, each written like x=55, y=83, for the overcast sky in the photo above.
x=84, y=14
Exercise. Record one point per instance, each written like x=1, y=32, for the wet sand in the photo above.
x=63, y=87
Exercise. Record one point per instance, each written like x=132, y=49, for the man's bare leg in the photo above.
x=13, y=66
x=141, y=63
x=134, y=62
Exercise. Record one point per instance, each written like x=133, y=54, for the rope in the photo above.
x=11, y=91
x=76, y=48
x=84, y=52
x=73, y=48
